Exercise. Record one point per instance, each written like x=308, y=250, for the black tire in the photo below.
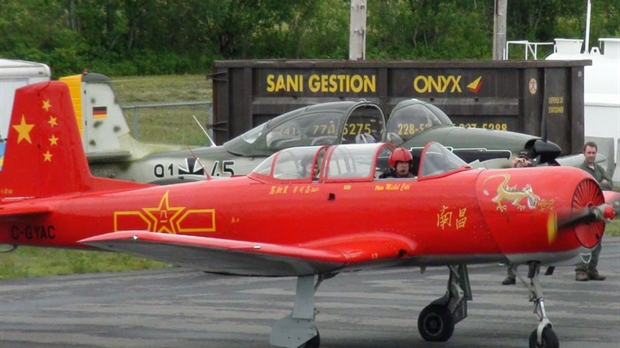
x=549, y=339
x=436, y=323
x=314, y=342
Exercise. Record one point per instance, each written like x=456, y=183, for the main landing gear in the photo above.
x=297, y=329
x=543, y=336
x=436, y=321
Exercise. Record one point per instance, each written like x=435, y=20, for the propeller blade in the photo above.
x=603, y=212
x=552, y=227
x=612, y=198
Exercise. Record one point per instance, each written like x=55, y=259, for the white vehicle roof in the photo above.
x=10, y=68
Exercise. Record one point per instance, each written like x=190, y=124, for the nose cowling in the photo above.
x=541, y=214
x=582, y=220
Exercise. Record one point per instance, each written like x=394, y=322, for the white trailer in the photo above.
x=13, y=75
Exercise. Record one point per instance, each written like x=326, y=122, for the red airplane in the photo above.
x=309, y=213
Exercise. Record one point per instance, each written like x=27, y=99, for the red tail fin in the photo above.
x=44, y=154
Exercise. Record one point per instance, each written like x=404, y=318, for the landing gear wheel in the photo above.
x=548, y=339
x=436, y=323
x=315, y=342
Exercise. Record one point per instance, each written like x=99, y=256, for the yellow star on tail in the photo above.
x=52, y=121
x=24, y=130
x=48, y=156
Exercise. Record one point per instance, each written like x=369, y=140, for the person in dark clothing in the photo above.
x=400, y=165
x=589, y=165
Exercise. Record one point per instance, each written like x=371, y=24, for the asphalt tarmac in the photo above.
x=183, y=308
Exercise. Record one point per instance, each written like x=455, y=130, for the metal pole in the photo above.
x=499, y=29
x=357, y=37
x=210, y=121
x=588, y=11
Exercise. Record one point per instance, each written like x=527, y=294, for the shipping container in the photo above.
x=533, y=97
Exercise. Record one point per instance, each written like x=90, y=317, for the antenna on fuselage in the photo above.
x=204, y=131
x=587, y=36
x=198, y=160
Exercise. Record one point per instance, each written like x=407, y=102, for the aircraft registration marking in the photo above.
x=393, y=187
x=166, y=218
x=193, y=167
x=31, y=232
x=446, y=217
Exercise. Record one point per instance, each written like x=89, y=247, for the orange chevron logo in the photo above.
x=475, y=85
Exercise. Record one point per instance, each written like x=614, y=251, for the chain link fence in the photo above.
x=171, y=123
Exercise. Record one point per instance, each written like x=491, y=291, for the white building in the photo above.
x=602, y=93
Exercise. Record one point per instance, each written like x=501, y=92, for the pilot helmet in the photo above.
x=400, y=155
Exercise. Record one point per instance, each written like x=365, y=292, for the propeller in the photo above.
x=589, y=213
x=604, y=212
x=588, y=217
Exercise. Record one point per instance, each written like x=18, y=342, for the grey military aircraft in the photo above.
x=113, y=153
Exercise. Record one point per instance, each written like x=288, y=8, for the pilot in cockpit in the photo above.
x=308, y=166
x=400, y=165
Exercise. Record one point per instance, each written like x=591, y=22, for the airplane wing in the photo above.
x=258, y=259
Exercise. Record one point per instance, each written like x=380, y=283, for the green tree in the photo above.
x=128, y=37
x=37, y=30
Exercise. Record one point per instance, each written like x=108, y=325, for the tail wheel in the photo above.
x=436, y=323
x=588, y=194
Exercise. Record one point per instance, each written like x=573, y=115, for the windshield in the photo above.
x=437, y=160
x=265, y=167
x=253, y=134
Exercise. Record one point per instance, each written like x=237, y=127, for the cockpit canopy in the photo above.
x=352, y=163
x=412, y=117
x=437, y=160
x=345, y=122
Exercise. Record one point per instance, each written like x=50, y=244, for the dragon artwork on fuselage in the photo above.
x=515, y=195
x=512, y=194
